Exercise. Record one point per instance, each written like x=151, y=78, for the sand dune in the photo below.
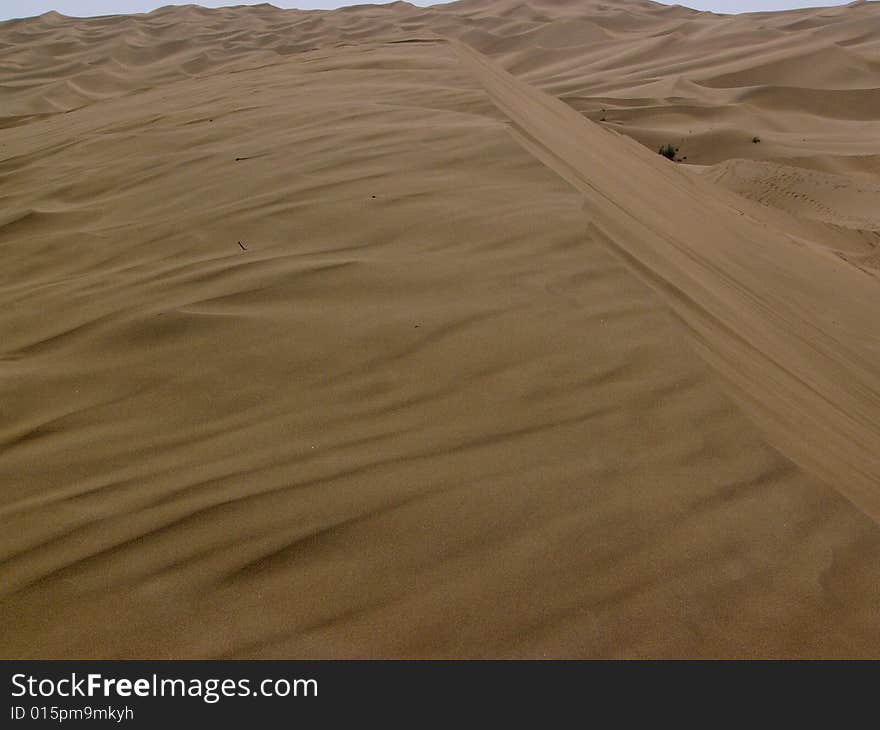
x=832, y=198
x=385, y=332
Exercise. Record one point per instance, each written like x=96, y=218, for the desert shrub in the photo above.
x=755, y=140
x=668, y=151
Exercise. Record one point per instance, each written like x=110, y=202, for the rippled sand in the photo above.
x=385, y=332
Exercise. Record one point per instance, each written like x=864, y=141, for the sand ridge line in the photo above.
x=765, y=342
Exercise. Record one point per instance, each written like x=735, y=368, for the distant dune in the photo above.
x=386, y=332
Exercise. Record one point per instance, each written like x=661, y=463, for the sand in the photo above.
x=385, y=332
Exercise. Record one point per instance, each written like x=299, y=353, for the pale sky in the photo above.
x=81, y=8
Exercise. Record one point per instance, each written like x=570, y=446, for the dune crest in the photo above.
x=803, y=359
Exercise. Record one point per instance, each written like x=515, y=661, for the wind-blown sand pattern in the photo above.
x=385, y=332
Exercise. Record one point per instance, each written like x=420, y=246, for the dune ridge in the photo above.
x=385, y=332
